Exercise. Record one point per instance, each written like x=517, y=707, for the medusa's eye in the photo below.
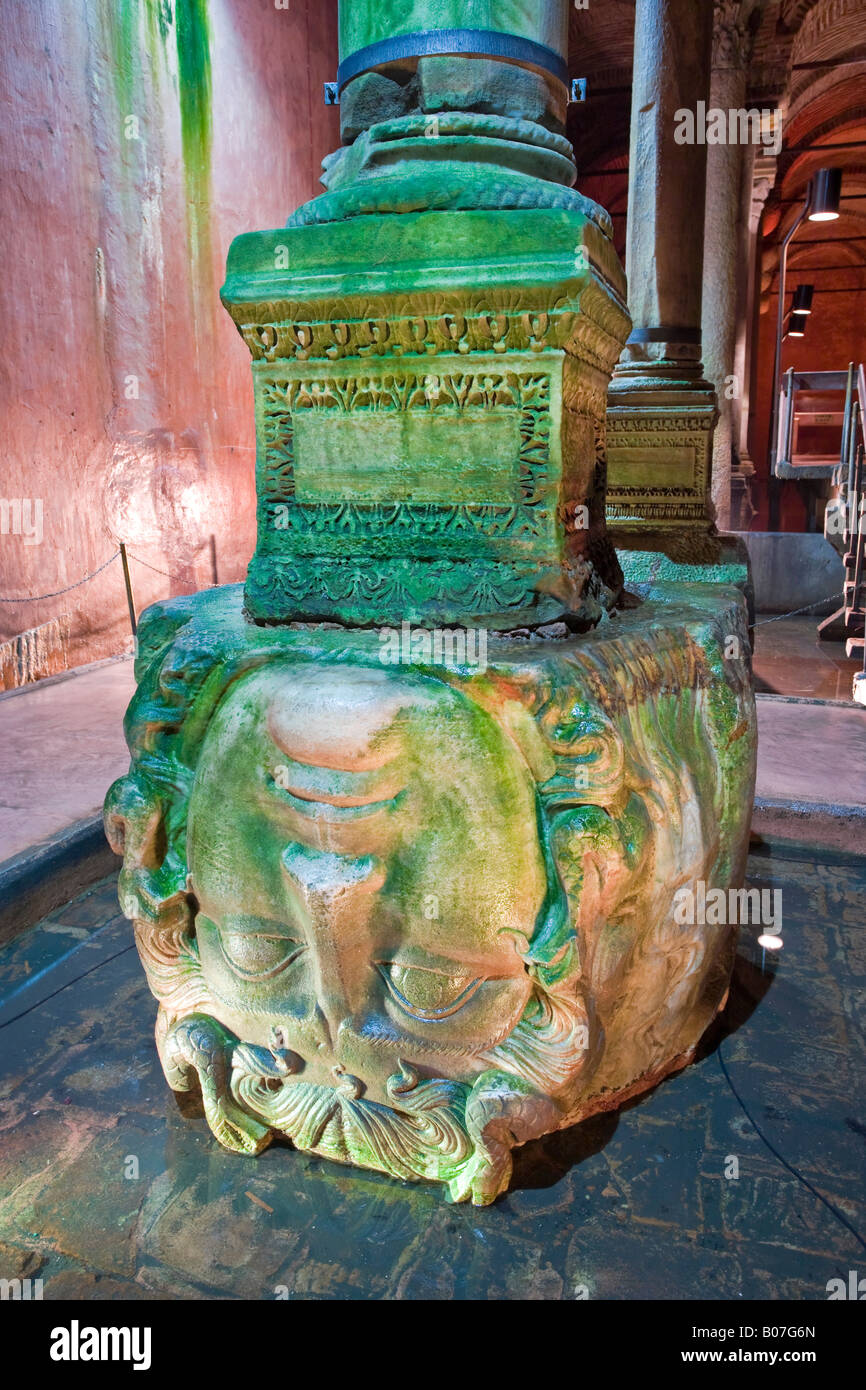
x=427, y=994
x=258, y=956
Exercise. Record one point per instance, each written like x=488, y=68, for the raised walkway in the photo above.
x=61, y=747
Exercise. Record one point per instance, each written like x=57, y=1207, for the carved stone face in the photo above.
x=411, y=918
x=364, y=851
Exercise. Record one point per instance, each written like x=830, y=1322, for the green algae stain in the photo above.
x=162, y=11
x=138, y=35
x=122, y=31
x=192, y=33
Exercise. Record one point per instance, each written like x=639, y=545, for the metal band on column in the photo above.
x=485, y=43
x=665, y=333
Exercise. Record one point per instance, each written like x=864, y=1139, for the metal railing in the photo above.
x=848, y=514
x=786, y=465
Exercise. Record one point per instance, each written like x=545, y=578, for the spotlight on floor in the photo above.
x=770, y=943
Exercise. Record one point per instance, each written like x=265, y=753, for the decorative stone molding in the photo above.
x=732, y=38
x=763, y=182
x=501, y=322
x=660, y=464
x=426, y=444
x=659, y=457
x=332, y=536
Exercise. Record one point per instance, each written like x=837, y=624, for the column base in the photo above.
x=660, y=421
x=658, y=557
x=742, y=506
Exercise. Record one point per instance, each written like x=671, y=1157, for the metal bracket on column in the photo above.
x=665, y=333
x=478, y=43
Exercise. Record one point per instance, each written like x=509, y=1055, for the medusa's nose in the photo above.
x=334, y=895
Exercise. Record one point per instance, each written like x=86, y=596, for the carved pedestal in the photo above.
x=659, y=451
x=431, y=434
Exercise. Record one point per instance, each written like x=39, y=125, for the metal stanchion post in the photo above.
x=128, y=582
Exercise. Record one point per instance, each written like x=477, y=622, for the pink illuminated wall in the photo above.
x=137, y=138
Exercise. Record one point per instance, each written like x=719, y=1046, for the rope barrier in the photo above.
x=831, y=598
x=777, y=617
x=148, y=566
x=37, y=598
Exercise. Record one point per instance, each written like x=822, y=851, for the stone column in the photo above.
x=661, y=411
x=432, y=340
x=724, y=240
x=759, y=176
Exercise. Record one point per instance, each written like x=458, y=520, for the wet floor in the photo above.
x=742, y=1177
x=790, y=659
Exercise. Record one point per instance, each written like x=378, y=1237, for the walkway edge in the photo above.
x=49, y=874
x=821, y=824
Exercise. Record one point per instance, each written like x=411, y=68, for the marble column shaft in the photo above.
x=664, y=260
x=660, y=409
x=723, y=245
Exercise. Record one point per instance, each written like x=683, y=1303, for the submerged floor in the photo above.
x=790, y=659
x=108, y=1191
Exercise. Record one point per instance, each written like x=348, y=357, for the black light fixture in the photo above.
x=826, y=195
x=802, y=301
x=796, y=326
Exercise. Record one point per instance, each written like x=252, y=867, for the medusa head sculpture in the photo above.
x=410, y=917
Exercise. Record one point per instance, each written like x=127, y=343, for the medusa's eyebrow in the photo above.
x=362, y=723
